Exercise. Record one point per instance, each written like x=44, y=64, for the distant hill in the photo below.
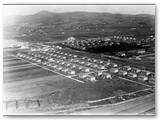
x=84, y=23
x=46, y=17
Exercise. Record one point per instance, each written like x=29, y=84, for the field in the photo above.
x=148, y=59
x=25, y=80
x=45, y=88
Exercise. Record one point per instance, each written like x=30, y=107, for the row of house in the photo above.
x=94, y=76
x=130, y=39
x=134, y=73
x=70, y=63
x=29, y=57
x=89, y=43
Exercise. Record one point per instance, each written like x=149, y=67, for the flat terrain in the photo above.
x=45, y=88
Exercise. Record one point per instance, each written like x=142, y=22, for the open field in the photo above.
x=132, y=107
x=26, y=80
x=14, y=63
x=26, y=74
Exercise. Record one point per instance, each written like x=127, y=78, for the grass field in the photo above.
x=33, y=81
x=26, y=74
x=10, y=60
x=104, y=89
x=38, y=86
x=14, y=63
x=18, y=69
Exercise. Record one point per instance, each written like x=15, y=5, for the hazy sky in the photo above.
x=123, y=9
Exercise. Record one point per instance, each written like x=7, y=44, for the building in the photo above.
x=67, y=64
x=113, y=65
x=99, y=73
x=101, y=62
x=75, y=56
x=107, y=75
x=93, y=65
x=122, y=72
x=121, y=54
x=127, y=68
x=144, y=72
x=107, y=63
x=59, y=68
x=142, y=78
x=51, y=60
x=88, y=63
x=73, y=66
x=65, y=70
x=114, y=70
x=80, y=68
x=72, y=72
x=82, y=75
x=132, y=75
x=81, y=62
x=101, y=67
x=86, y=69
x=54, y=66
x=141, y=51
x=135, y=70
x=91, y=78
x=94, y=60
x=61, y=63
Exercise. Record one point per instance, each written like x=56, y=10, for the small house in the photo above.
x=135, y=70
x=114, y=70
x=132, y=75
x=142, y=78
x=127, y=68
x=72, y=72
x=122, y=72
x=91, y=78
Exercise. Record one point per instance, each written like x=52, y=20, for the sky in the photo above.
x=122, y=9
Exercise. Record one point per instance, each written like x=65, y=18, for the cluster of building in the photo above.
x=141, y=75
x=14, y=43
x=87, y=69
x=138, y=41
x=131, y=53
x=89, y=43
x=108, y=41
x=29, y=57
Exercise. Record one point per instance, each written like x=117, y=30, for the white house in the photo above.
x=101, y=67
x=107, y=75
x=142, y=78
x=113, y=65
x=122, y=72
x=86, y=69
x=135, y=70
x=91, y=78
x=143, y=72
x=82, y=75
x=132, y=75
x=114, y=70
x=126, y=68
x=99, y=73
x=72, y=72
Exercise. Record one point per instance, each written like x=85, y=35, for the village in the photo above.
x=85, y=68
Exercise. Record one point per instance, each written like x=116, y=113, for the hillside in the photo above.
x=50, y=26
